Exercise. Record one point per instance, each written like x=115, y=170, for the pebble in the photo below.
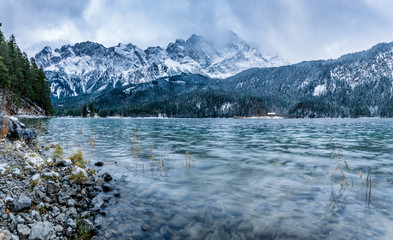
x=41, y=230
x=99, y=181
x=23, y=231
x=51, y=207
x=106, y=187
x=21, y=203
x=99, y=164
x=148, y=229
x=107, y=177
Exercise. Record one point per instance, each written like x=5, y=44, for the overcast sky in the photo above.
x=296, y=30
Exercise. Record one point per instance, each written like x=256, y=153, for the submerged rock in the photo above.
x=148, y=229
x=107, y=177
x=99, y=164
x=106, y=188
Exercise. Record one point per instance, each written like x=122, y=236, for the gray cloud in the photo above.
x=295, y=29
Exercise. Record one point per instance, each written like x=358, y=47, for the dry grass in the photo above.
x=77, y=159
x=341, y=175
x=5, y=128
x=187, y=164
x=58, y=153
x=78, y=177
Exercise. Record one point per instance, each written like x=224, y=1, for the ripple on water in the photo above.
x=246, y=179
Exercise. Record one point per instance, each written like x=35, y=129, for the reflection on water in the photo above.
x=242, y=179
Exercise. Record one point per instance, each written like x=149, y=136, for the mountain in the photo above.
x=89, y=67
x=354, y=85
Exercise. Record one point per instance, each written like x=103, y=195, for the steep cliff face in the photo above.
x=90, y=67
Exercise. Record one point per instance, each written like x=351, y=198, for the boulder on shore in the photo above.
x=16, y=130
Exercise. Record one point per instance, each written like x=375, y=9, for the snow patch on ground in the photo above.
x=3, y=167
x=51, y=174
x=35, y=177
x=319, y=90
x=79, y=170
x=33, y=159
x=225, y=107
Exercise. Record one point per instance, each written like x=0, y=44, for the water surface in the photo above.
x=238, y=178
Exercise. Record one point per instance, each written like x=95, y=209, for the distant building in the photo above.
x=271, y=114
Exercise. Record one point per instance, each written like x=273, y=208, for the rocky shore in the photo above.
x=45, y=196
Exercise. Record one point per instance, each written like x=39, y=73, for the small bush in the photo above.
x=83, y=230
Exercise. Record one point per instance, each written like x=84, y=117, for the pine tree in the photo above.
x=21, y=76
x=84, y=110
x=4, y=77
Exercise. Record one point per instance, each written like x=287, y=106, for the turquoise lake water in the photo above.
x=238, y=178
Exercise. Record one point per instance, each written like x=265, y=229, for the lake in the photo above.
x=237, y=178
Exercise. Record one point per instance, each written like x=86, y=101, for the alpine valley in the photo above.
x=197, y=78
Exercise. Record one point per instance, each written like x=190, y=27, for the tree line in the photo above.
x=22, y=76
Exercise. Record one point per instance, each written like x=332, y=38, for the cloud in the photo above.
x=295, y=29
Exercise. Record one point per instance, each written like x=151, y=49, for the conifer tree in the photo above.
x=21, y=76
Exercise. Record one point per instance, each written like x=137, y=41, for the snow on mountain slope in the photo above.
x=88, y=67
x=367, y=66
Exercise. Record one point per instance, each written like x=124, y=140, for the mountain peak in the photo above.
x=87, y=67
x=195, y=37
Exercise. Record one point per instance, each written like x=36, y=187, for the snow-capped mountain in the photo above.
x=354, y=85
x=89, y=67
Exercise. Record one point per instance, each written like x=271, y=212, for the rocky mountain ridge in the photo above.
x=89, y=67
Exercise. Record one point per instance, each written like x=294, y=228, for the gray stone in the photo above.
x=99, y=181
x=71, y=223
x=111, y=232
x=98, y=221
x=106, y=187
x=14, y=237
x=12, y=217
x=52, y=188
x=71, y=212
x=2, y=208
x=61, y=217
x=99, y=164
x=41, y=231
x=23, y=231
x=5, y=235
x=107, y=177
x=21, y=203
x=59, y=228
x=56, y=211
x=19, y=219
x=12, y=226
x=63, y=197
x=71, y=202
x=35, y=215
x=40, y=194
x=18, y=131
x=148, y=229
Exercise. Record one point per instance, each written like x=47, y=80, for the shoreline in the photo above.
x=235, y=117
x=44, y=197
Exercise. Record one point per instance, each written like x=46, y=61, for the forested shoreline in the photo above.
x=20, y=76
